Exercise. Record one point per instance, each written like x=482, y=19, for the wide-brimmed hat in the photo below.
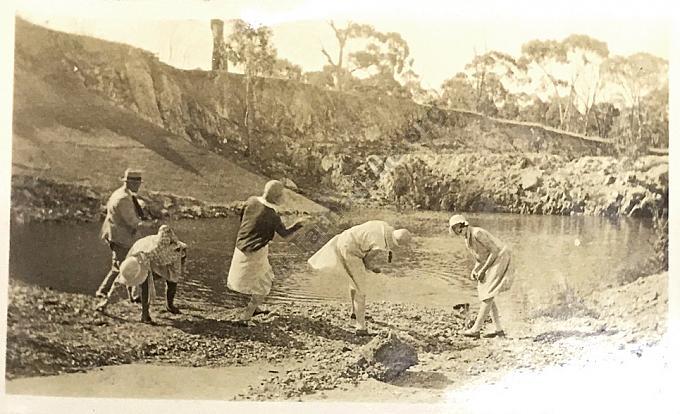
x=458, y=219
x=132, y=175
x=132, y=272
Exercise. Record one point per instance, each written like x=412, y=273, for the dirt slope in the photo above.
x=66, y=132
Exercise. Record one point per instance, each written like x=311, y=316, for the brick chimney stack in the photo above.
x=219, y=58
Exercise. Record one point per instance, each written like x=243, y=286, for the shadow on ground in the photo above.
x=422, y=379
x=554, y=336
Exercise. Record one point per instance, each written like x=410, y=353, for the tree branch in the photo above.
x=328, y=57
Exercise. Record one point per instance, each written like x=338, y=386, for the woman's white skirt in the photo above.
x=250, y=273
x=335, y=257
x=326, y=259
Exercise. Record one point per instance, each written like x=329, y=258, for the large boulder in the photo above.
x=386, y=356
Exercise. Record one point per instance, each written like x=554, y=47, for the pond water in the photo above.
x=551, y=253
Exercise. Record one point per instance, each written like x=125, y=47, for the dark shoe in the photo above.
x=499, y=334
x=471, y=334
x=354, y=317
x=461, y=307
x=170, y=292
x=147, y=320
x=259, y=311
x=363, y=332
x=173, y=309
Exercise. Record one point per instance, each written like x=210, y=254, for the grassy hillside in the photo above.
x=66, y=132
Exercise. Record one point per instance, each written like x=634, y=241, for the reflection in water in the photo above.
x=70, y=257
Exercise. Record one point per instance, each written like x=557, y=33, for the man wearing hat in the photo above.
x=124, y=216
x=353, y=253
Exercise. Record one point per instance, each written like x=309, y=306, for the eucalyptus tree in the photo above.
x=250, y=48
x=382, y=57
x=641, y=81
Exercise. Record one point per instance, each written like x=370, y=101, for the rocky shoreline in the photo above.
x=40, y=199
x=51, y=333
x=511, y=183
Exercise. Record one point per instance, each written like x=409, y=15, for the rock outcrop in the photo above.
x=528, y=184
x=386, y=357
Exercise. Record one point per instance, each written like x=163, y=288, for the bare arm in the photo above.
x=489, y=261
x=484, y=238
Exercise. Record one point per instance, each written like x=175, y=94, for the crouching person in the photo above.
x=353, y=255
x=161, y=254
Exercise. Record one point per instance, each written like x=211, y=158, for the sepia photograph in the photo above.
x=371, y=206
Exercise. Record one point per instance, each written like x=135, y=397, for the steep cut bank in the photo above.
x=66, y=132
x=298, y=130
x=87, y=108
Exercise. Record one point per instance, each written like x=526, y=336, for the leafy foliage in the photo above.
x=251, y=49
x=285, y=69
x=380, y=57
x=571, y=84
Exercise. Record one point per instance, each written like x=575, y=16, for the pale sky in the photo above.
x=443, y=35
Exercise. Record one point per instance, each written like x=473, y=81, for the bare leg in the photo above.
x=481, y=317
x=495, y=317
x=359, y=304
x=352, y=294
x=255, y=302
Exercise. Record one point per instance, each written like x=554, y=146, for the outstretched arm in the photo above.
x=489, y=261
x=284, y=231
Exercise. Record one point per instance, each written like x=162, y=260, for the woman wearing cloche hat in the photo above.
x=355, y=252
x=161, y=254
x=492, y=271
